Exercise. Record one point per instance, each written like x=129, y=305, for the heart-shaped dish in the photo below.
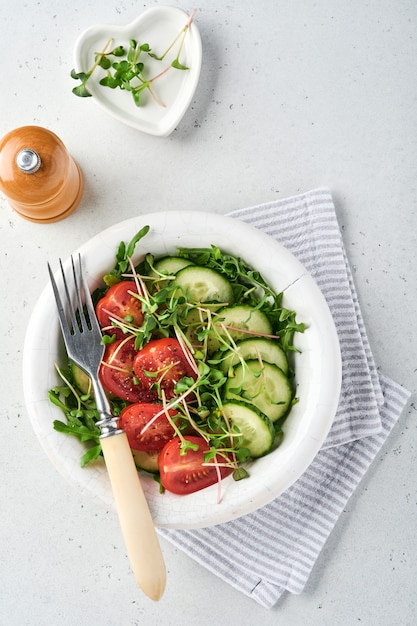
x=158, y=27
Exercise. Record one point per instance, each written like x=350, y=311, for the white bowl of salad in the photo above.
x=221, y=361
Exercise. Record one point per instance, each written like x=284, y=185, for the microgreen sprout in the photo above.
x=176, y=62
x=101, y=60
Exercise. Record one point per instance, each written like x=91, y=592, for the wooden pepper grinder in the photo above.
x=38, y=176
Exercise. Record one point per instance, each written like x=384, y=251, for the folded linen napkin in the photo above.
x=284, y=538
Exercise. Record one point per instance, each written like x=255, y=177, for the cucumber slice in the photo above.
x=81, y=380
x=147, y=461
x=264, y=386
x=240, y=322
x=266, y=350
x=202, y=284
x=170, y=265
x=256, y=428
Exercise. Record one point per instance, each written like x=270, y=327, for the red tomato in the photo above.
x=185, y=473
x=165, y=358
x=118, y=303
x=116, y=372
x=134, y=418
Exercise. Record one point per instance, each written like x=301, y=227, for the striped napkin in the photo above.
x=283, y=539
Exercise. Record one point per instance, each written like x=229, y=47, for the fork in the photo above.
x=82, y=338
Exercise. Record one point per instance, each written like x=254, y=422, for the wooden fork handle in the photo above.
x=138, y=530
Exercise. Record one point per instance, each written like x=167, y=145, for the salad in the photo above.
x=197, y=366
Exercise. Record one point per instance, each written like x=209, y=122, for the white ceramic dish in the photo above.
x=158, y=27
x=317, y=366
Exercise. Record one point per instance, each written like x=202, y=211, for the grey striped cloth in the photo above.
x=283, y=539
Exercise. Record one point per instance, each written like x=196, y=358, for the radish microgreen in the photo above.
x=126, y=68
x=176, y=62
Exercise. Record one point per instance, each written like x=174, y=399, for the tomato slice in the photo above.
x=185, y=473
x=119, y=304
x=162, y=363
x=136, y=416
x=116, y=372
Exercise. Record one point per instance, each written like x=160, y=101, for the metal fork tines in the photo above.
x=82, y=334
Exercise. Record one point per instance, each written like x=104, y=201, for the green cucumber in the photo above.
x=170, y=265
x=261, y=348
x=262, y=385
x=256, y=428
x=239, y=322
x=202, y=284
x=146, y=460
x=81, y=380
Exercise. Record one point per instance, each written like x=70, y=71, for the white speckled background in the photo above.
x=292, y=96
